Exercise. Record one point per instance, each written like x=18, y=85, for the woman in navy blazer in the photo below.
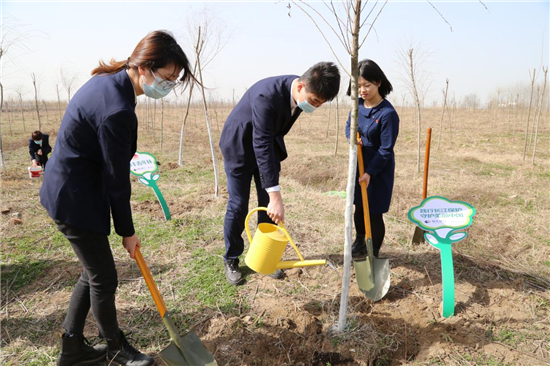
x=88, y=180
x=378, y=129
x=39, y=148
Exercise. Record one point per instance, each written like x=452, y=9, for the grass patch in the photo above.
x=205, y=283
x=22, y=272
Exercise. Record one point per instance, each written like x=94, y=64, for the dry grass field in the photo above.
x=502, y=269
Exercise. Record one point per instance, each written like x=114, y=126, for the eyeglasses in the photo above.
x=165, y=84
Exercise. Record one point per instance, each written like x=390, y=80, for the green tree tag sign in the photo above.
x=441, y=219
x=143, y=165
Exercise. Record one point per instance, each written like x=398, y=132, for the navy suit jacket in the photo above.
x=45, y=146
x=378, y=127
x=253, y=133
x=88, y=175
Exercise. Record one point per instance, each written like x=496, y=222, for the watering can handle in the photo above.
x=281, y=226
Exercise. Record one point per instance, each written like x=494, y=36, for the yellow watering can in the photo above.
x=267, y=248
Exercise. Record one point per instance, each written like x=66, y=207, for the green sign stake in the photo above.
x=144, y=165
x=441, y=219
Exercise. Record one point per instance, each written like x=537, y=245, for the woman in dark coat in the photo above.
x=39, y=148
x=378, y=129
x=88, y=180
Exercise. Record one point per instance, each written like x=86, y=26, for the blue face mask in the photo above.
x=38, y=142
x=159, y=89
x=305, y=106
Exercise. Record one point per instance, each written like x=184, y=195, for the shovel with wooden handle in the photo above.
x=372, y=273
x=418, y=236
x=182, y=351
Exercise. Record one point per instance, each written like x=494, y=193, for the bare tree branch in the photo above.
x=324, y=20
x=345, y=37
x=485, y=6
x=325, y=38
x=441, y=15
x=368, y=15
x=372, y=25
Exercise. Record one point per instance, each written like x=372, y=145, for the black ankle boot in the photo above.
x=359, y=247
x=77, y=351
x=121, y=353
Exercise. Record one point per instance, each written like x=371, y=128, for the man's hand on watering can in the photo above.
x=131, y=243
x=275, y=208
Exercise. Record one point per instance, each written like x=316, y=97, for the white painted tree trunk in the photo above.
x=352, y=168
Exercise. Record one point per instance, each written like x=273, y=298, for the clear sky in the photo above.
x=486, y=49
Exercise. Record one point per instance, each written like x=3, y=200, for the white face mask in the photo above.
x=160, y=87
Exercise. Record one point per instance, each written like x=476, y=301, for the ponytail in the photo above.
x=112, y=68
x=157, y=50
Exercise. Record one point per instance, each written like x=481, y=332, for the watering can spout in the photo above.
x=297, y=264
x=267, y=248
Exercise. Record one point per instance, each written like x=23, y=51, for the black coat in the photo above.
x=45, y=146
x=253, y=133
x=88, y=175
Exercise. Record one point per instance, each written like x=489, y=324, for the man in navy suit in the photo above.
x=253, y=147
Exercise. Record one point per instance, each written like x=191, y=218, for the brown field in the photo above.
x=502, y=269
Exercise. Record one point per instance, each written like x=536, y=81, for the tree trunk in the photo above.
x=36, y=101
x=8, y=112
x=516, y=107
x=443, y=111
x=147, y=114
x=328, y=118
x=197, y=52
x=529, y=114
x=337, y=127
x=540, y=112
x=191, y=87
x=538, y=106
x=154, y=119
x=418, y=115
x=46, y=109
x=2, y=162
x=58, y=103
x=352, y=168
x=22, y=113
x=161, y=122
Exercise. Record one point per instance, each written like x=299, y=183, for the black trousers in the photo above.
x=42, y=159
x=238, y=187
x=97, y=284
x=377, y=226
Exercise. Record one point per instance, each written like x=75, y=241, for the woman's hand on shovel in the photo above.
x=275, y=208
x=365, y=178
x=130, y=243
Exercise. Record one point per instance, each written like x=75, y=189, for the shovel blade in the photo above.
x=190, y=352
x=376, y=283
x=418, y=236
x=363, y=274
